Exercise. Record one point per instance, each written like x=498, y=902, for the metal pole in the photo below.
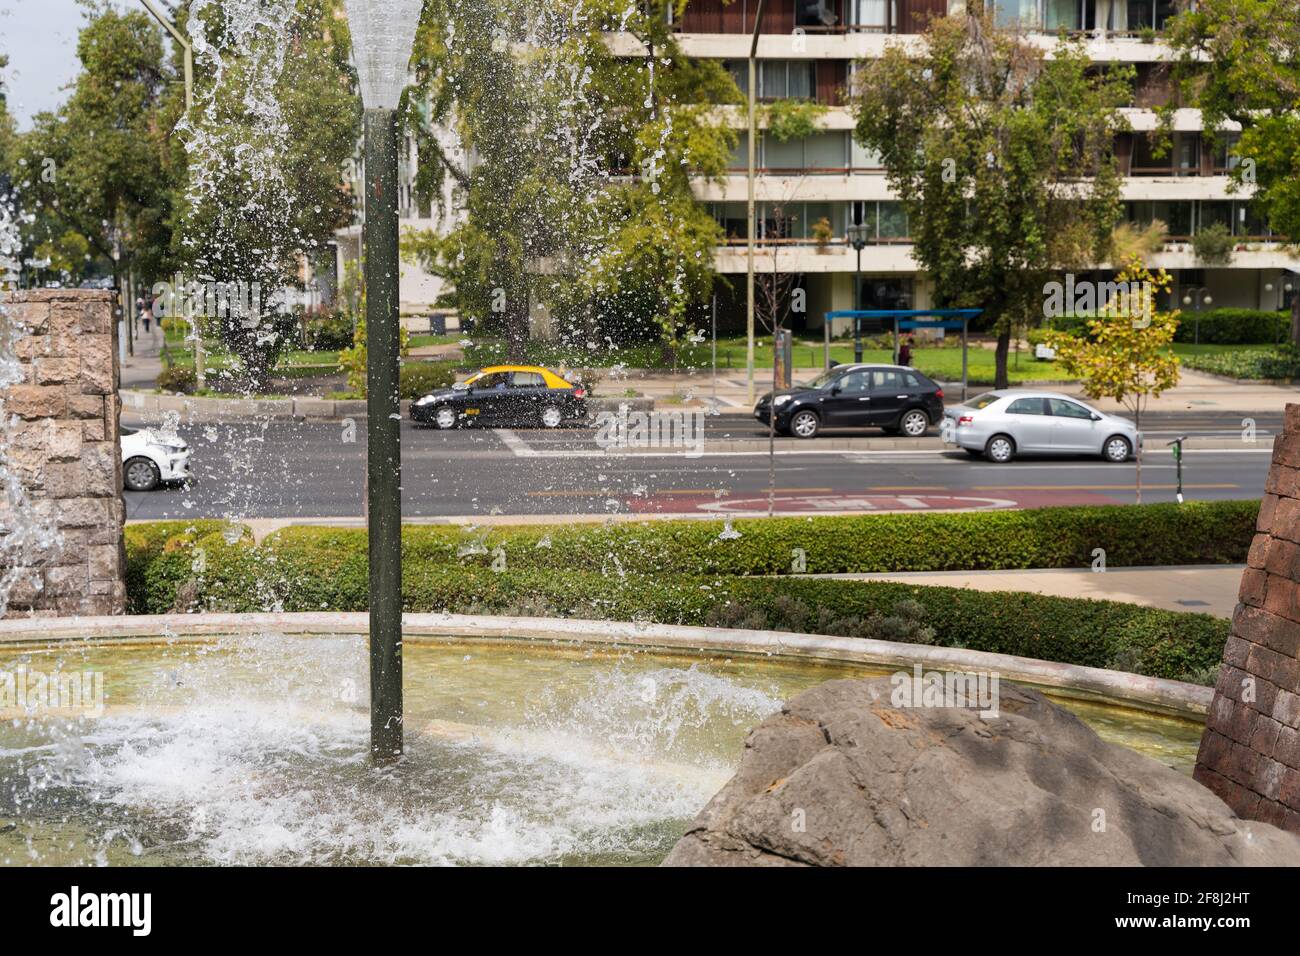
x=383, y=453
x=857, y=304
x=749, y=186
x=715, y=351
x=964, y=322
x=826, y=338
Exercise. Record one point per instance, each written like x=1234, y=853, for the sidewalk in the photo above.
x=1206, y=589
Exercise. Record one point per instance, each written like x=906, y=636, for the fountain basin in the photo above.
x=243, y=739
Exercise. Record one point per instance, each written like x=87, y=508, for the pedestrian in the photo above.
x=146, y=315
x=905, y=351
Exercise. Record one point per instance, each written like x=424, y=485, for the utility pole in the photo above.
x=749, y=232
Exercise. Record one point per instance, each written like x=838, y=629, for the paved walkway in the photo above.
x=1207, y=589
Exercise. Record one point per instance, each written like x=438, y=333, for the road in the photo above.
x=316, y=470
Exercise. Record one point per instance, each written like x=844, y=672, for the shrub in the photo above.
x=1215, y=532
x=420, y=378
x=1277, y=363
x=178, y=378
x=292, y=576
x=1213, y=244
x=330, y=332
x=1234, y=327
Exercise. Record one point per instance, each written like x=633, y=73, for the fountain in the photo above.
x=265, y=739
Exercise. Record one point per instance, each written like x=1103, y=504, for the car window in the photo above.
x=853, y=382
x=1068, y=409
x=983, y=401
x=529, y=380
x=886, y=380
x=494, y=380
x=1026, y=406
x=912, y=380
x=824, y=379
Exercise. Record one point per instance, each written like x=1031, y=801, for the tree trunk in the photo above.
x=1000, y=378
x=517, y=328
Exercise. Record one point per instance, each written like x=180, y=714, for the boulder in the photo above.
x=842, y=777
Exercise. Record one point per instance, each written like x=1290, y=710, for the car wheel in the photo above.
x=551, y=417
x=1000, y=449
x=445, y=418
x=1117, y=449
x=805, y=424
x=915, y=423
x=140, y=474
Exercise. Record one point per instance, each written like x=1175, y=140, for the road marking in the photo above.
x=517, y=445
x=1089, y=487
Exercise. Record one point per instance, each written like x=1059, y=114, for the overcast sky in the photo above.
x=40, y=39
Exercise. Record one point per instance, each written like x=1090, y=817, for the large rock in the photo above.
x=842, y=778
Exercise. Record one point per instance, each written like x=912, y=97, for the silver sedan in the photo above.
x=1003, y=424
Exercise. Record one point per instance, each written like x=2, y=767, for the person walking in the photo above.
x=905, y=351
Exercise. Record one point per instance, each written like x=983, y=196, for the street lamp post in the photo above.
x=1287, y=287
x=188, y=52
x=749, y=185
x=857, y=236
x=383, y=32
x=1201, y=296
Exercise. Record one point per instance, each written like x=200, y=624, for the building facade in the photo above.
x=808, y=49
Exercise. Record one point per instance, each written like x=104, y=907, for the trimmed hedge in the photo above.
x=1201, y=532
x=417, y=379
x=1217, y=327
x=683, y=573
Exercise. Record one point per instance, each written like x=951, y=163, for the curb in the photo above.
x=199, y=409
x=1145, y=693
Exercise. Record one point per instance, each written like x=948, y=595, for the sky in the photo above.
x=40, y=39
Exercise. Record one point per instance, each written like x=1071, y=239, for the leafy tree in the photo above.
x=1239, y=61
x=580, y=194
x=1125, y=353
x=275, y=119
x=93, y=170
x=984, y=139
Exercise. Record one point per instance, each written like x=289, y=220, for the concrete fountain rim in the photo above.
x=1133, y=690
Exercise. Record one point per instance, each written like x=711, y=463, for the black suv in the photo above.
x=895, y=398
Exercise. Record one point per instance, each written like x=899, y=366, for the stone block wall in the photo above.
x=66, y=449
x=1250, y=752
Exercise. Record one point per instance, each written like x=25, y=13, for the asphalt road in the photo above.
x=317, y=470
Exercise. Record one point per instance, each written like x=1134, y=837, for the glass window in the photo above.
x=1062, y=15
x=1064, y=409
x=493, y=380
x=886, y=380
x=779, y=155
x=862, y=158
x=854, y=382
x=1026, y=406
x=529, y=380
x=869, y=13
x=893, y=220
x=912, y=380
x=826, y=151
x=983, y=401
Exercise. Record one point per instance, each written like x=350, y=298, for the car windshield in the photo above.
x=824, y=379
x=984, y=401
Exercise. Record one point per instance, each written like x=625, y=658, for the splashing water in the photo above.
x=28, y=534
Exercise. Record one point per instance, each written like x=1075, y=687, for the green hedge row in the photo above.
x=239, y=577
x=1217, y=326
x=1216, y=532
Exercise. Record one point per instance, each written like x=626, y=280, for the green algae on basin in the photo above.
x=254, y=750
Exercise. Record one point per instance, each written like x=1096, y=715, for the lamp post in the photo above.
x=1287, y=287
x=188, y=52
x=1201, y=296
x=857, y=237
x=749, y=185
x=383, y=32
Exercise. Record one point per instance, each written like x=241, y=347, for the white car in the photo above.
x=1008, y=422
x=150, y=458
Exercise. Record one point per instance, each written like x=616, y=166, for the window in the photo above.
x=912, y=380
x=1063, y=409
x=886, y=380
x=984, y=401
x=854, y=382
x=492, y=380
x=529, y=380
x=1026, y=406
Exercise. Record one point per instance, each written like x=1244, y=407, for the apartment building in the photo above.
x=808, y=49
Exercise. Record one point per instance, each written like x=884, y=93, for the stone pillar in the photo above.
x=66, y=449
x=1250, y=752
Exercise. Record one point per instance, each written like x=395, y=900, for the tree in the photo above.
x=93, y=171
x=580, y=195
x=1239, y=61
x=1125, y=353
x=275, y=119
x=984, y=140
